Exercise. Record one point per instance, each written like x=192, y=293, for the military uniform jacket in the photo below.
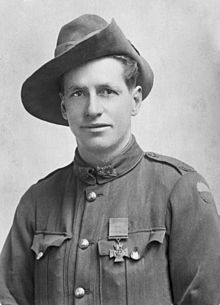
x=59, y=252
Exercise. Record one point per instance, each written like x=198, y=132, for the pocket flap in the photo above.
x=43, y=240
x=157, y=236
x=137, y=241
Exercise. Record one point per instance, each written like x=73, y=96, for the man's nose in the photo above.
x=94, y=106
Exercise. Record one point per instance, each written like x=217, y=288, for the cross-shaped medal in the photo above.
x=119, y=253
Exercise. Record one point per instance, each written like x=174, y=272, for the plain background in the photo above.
x=180, y=118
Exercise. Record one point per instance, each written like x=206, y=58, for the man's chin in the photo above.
x=98, y=144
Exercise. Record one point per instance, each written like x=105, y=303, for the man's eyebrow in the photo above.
x=109, y=85
x=75, y=86
x=98, y=86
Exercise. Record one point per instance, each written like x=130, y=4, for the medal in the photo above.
x=118, y=252
x=118, y=230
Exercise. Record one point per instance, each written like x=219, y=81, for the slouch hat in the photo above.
x=85, y=38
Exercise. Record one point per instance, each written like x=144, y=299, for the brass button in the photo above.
x=83, y=243
x=91, y=196
x=79, y=292
x=39, y=255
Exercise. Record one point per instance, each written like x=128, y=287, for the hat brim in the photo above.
x=40, y=92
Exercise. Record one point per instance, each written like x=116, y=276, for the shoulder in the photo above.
x=43, y=197
x=189, y=183
x=56, y=173
x=192, y=188
x=190, y=197
x=52, y=182
x=163, y=171
x=169, y=162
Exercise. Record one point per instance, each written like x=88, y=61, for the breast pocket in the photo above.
x=135, y=279
x=49, y=249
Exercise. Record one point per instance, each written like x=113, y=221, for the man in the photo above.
x=117, y=226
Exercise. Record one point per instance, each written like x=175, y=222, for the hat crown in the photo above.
x=80, y=27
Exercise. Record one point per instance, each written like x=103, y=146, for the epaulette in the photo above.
x=180, y=166
x=54, y=172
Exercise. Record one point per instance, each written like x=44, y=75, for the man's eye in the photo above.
x=106, y=92
x=77, y=93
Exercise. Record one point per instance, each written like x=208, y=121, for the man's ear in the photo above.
x=62, y=106
x=137, y=99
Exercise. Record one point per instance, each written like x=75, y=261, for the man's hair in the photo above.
x=131, y=72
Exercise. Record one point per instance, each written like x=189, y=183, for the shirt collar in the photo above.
x=121, y=164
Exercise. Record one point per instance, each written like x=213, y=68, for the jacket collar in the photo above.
x=122, y=164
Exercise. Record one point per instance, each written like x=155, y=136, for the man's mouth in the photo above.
x=96, y=126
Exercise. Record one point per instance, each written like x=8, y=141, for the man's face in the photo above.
x=98, y=105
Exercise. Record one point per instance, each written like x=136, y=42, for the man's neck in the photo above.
x=102, y=157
